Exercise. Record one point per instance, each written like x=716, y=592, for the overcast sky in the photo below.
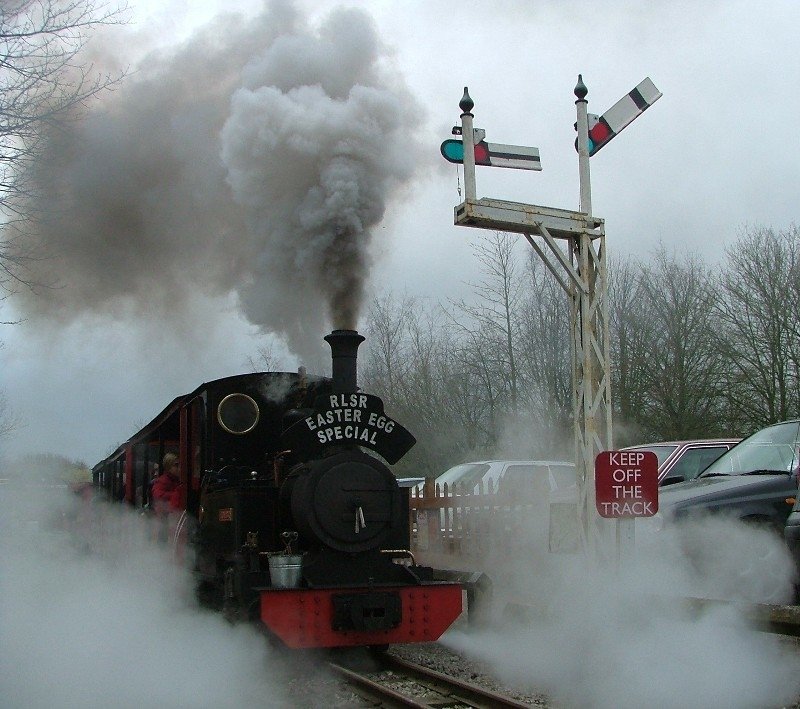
x=195, y=227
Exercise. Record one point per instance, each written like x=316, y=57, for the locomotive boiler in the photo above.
x=290, y=515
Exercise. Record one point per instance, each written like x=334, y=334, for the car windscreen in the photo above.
x=466, y=475
x=662, y=451
x=774, y=448
x=695, y=460
x=518, y=478
x=564, y=475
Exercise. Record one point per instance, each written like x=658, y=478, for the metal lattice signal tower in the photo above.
x=581, y=270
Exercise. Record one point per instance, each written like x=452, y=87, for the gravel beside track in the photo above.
x=439, y=658
x=311, y=685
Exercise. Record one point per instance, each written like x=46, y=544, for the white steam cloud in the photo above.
x=256, y=158
x=93, y=614
x=594, y=637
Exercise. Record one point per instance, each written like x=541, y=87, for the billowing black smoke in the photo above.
x=255, y=159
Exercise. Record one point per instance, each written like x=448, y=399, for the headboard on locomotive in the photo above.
x=340, y=496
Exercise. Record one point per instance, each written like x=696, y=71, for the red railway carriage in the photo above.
x=291, y=512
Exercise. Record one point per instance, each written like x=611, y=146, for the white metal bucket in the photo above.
x=285, y=570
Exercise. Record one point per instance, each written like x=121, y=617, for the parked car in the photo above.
x=679, y=461
x=497, y=475
x=755, y=481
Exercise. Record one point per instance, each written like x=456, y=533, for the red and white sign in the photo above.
x=626, y=484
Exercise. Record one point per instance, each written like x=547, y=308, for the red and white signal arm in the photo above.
x=626, y=484
x=603, y=128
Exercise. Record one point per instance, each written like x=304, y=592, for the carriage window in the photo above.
x=237, y=413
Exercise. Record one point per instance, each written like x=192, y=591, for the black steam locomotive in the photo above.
x=289, y=515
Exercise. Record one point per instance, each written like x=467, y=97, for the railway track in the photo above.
x=400, y=683
x=391, y=681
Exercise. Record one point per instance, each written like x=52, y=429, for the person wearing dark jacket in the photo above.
x=167, y=487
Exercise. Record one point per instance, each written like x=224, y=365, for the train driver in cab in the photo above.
x=167, y=487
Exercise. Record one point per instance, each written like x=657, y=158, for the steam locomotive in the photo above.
x=290, y=516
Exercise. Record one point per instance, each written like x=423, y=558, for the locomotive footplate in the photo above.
x=367, y=611
x=327, y=617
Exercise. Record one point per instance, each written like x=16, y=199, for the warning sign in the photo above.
x=626, y=484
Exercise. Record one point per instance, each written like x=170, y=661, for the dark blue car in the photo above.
x=755, y=481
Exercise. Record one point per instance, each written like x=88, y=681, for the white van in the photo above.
x=522, y=475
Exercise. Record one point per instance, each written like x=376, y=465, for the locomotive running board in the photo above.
x=305, y=617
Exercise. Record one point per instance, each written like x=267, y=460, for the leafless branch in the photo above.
x=44, y=80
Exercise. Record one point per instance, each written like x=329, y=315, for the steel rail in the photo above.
x=440, y=687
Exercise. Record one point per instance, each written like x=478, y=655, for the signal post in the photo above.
x=591, y=350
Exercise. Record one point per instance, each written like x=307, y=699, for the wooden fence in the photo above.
x=476, y=523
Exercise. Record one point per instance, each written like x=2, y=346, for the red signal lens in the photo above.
x=482, y=154
x=600, y=133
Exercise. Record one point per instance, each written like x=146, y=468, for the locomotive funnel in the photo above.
x=344, y=348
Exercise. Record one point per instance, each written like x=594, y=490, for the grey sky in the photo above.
x=716, y=153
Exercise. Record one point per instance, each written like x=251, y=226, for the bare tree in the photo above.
x=9, y=422
x=491, y=327
x=385, y=362
x=515, y=346
x=43, y=80
x=758, y=305
x=412, y=361
x=436, y=393
x=545, y=362
x=46, y=467
x=265, y=361
x=632, y=332
x=684, y=373
x=693, y=354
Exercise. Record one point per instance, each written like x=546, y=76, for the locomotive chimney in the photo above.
x=344, y=347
